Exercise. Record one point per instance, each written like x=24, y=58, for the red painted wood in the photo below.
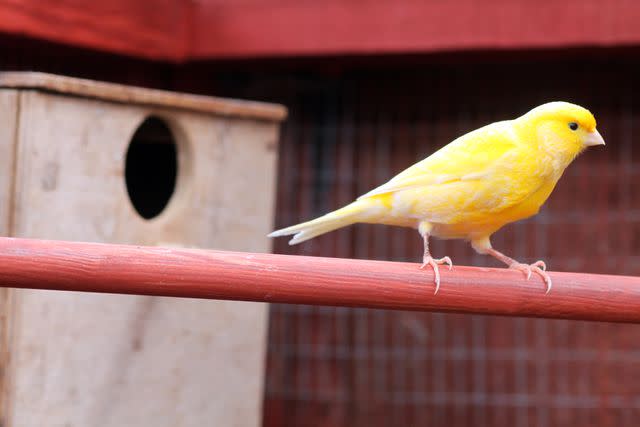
x=92, y=267
x=145, y=29
x=259, y=28
x=177, y=30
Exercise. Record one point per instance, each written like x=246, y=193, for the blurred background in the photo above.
x=372, y=87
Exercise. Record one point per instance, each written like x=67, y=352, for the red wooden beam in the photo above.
x=179, y=30
x=261, y=28
x=146, y=29
x=92, y=267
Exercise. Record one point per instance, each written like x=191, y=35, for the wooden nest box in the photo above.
x=89, y=161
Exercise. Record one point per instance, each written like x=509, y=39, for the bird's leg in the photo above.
x=539, y=266
x=427, y=259
x=483, y=246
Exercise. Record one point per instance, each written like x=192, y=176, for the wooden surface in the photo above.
x=153, y=30
x=9, y=109
x=287, y=28
x=82, y=359
x=141, y=96
x=88, y=267
x=182, y=30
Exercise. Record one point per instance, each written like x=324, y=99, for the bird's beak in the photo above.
x=593, y=138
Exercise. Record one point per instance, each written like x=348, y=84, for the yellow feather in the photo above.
x=500, y=173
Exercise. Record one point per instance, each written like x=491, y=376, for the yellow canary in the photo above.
x=470, y=188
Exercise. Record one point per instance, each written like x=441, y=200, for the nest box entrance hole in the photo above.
x=151, y=167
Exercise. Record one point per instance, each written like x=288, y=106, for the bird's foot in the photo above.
x=428, y=260
x=539, y=267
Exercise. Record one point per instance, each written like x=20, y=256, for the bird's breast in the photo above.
x=474, y=225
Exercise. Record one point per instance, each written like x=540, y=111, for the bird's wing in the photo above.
x=470, y=157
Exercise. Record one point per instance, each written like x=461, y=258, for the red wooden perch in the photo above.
x=92, y=267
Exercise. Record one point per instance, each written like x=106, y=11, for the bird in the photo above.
x=472, y=187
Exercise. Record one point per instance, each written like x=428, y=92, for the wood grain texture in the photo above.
x=9, y=108
x=156, y=30
x=142, y=96
x=7, y=318
x=110, y=360
x=255, y=28
x=90, y=267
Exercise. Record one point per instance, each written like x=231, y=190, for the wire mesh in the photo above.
x=359, y=367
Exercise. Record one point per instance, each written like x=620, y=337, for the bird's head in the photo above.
x=562, y=128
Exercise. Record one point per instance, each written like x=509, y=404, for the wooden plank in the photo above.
x=115, y=360
x=92, y=267
x=6, y=344
x=181, y=30
x=9, y=109
x=142, y=96
x=287, y=28
x=154, y=30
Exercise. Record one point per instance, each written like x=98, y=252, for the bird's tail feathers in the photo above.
x=343, y=217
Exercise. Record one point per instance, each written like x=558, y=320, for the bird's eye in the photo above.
x=573, y=126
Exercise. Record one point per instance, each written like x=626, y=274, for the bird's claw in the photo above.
x=427, y=260
x=539, y=267
x=540, y=264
